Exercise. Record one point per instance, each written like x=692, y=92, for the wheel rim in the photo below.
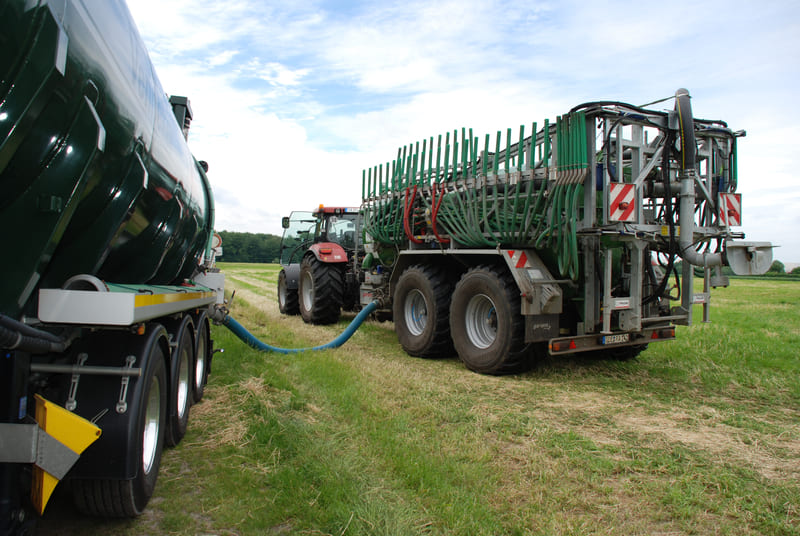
x=282, y=294
x=416, y=312
x=152, y=423
x=200, y=363
x=481, y=321
x=307, y=286
x=183, y=383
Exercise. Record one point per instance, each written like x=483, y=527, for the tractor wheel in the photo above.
x=321, y=289
x=421, y=308
x=486, y=324
x=288, y=301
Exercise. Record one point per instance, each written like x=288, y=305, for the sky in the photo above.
x=292, y=100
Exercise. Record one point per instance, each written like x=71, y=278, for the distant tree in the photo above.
x=777, y=268
x=795, y=270
x=249, y=247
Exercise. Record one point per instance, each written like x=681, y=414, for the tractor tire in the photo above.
x=421, y=308
x=487, y=327
x=321, y=290
x=288, y=301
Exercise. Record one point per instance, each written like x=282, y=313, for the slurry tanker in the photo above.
x=584, y=236
x=107, y=273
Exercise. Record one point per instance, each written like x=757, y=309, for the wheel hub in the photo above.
x=481, y=321
x=416, y=312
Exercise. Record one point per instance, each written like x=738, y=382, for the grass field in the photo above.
x=697, y=436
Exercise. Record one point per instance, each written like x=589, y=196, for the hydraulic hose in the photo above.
x=249, y=339
x=29, y=339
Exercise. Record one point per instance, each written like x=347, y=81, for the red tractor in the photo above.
x=319, y=255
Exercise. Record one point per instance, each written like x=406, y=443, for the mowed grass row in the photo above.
x=697, y=436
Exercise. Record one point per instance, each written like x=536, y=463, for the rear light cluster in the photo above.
x=562, y=346
x=667, y=333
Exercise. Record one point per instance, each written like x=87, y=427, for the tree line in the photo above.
x=250, y=247
x=266, y=248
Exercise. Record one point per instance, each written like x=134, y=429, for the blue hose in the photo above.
x=249, y=339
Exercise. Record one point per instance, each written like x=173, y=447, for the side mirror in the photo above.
x=285, y=222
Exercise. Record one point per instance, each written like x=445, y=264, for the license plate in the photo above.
x=617, y=339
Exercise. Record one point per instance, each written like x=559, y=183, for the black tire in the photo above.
x=129, y=497
x=320, y=291
x=202, y=358
x=288, y=301
x=351, y=300
x=486, y=324
x=181, y=383
x=421, y=309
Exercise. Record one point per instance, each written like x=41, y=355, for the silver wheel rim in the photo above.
x=307, y=284
x=183, y=383
x=152, y=423
x=481, y=321
x=282, y=293
x=416, y=312
x=200, y=364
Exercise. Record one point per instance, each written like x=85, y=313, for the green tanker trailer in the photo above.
x=106, y=278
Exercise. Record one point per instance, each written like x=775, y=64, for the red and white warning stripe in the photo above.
x=518, y=257
x=730, y=209
x=622, y=202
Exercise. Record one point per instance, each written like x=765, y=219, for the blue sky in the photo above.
x=293, y=99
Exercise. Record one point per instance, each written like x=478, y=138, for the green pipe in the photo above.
x=508, y=148
x=455, y=154
x=485, y=156
x=464, y=153
x=437, y=178
x=547, y=143
x=497, y=154
x=430, y=162
x=473, y=147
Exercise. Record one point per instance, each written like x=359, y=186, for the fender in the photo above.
x=292, y=276
x=97, y=396
x=328, y=252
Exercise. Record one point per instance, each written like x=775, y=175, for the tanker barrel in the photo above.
x=119, y=194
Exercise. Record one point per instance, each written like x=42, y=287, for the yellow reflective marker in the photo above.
x=75, y=432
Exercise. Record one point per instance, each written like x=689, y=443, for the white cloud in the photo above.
x=292, y=101
x=222, y=58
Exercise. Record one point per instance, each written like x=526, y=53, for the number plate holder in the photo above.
x=619, y=338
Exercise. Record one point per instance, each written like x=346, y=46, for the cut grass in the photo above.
x=698, y=436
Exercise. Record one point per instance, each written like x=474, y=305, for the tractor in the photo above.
x=320, y=251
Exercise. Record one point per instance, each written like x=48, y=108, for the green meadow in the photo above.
x=700, y=435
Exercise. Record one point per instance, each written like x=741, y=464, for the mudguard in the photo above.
x=292, y=276
x=98, y=399
x=328, y=252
